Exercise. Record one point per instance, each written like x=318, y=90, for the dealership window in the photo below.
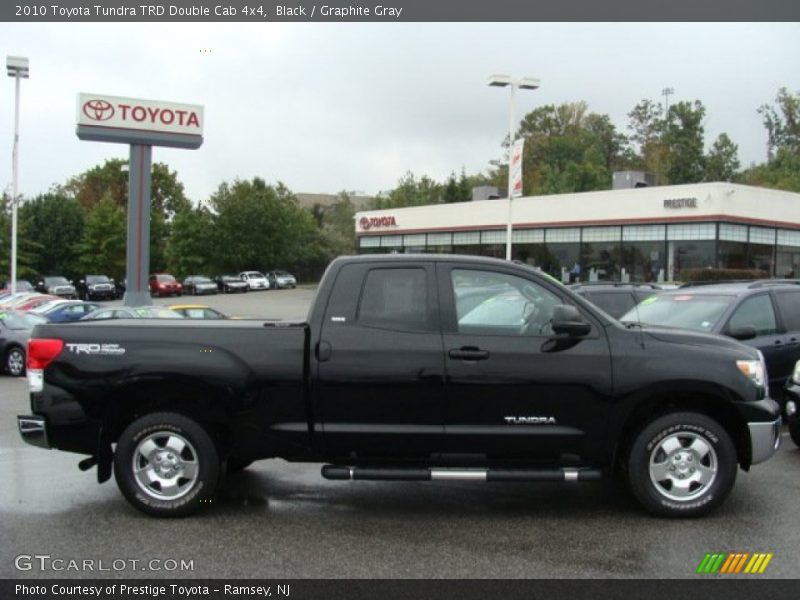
x=690, y=246
x=761, y=250
x=601, y=253
x=369, y=242
x=787, y=255
x=644, y=252
x=414, y=243
x=732, y=247
x=493, y=243
x=563, y=250
x=528, y=247
x=441, y=243
x=466, y=242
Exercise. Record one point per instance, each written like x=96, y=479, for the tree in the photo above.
x=102, y=249
x=722, y=163
x=26, y=249
x=110, y=180
x=53, y=223
x=262, y=227
x=567, y=149
x=457, y=190
x=190, y=249
x=409, y=192
x=684, y=137
x=336, y=224
x=782, y=123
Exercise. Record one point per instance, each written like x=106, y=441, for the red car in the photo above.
x=164, y=284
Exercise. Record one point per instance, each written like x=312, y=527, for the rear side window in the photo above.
x=395, y=299
x=755, y=312
x=789, y=305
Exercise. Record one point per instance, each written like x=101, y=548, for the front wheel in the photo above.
x=794, y=431
x=682, y=465
x=15, y=362
x=166, y=465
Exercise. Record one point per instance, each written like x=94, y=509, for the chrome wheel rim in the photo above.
x=165, y=465
x=16, y=363
x=683, y=466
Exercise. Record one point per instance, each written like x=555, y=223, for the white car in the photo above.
x=255, y=280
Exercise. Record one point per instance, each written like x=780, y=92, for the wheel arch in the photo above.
x=711, y=405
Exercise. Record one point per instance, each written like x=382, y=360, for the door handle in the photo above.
x=468, y=353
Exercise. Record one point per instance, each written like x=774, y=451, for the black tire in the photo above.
x=168, y=445
x=236, y=465
x=682, y=464
x=794, y=431
x=15, y=361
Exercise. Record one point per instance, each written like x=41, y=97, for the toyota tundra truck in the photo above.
x=427, y=367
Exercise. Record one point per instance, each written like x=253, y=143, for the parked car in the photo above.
x=281, y=279
x=23, y=285
x=198, y=311
x=56, y=285
x=12, y=301
x=164, y=284
x=792, y=395
x=120, y=286
x=397, y=376
x=68, y=310
x=15, y=330
x=198, y=285
x=136, y=312
x=96, y=287
x=34, y=301
x=229, y=284
x=255, y=280
x=614, y=297
x=763, y=314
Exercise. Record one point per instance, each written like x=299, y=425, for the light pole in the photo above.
x=526, y=83
x=667, y=92
x=18, y=69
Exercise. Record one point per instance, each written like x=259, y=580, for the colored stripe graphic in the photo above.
x=732, y=563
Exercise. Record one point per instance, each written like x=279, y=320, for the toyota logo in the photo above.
x=364, y=222
x=98, y=110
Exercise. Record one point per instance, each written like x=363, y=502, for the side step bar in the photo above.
x=420, y=474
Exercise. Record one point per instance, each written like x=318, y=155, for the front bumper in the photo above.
x=33, y=430
x=765, y=439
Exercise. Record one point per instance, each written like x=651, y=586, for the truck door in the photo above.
x=379, y=389
x=514, y=388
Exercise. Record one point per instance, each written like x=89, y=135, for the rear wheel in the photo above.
x=682, y=465
x=15, y=362
x=166, y=465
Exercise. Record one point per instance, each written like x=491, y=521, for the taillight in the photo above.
x=41, y=352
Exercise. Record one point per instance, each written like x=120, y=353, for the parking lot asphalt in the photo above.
x=278, y=519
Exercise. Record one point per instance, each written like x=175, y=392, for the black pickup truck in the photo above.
x=426, y=367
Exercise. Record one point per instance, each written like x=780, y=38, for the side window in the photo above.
x=395, y=299
x=614, y=303
x=755, y=312
x=789, y=305
x=500, y=304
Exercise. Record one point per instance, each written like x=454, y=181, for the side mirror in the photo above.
x=745, y=332
x=568, y=319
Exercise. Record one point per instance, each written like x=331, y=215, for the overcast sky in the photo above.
x=326, y=107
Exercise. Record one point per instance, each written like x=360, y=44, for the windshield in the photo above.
x=700, y=312
x=255, y=274
x=202, y=280
x=97, y=279
x=21, y=321
x=165, y=278
x=56, y=281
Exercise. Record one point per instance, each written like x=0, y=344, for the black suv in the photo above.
x=615, y=298
x=96, y=287
x=763, y=314
x=56, y=285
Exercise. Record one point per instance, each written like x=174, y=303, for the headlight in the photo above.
x=796, y=374
x=753, y=370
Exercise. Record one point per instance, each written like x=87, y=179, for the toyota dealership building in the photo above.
x=641, y=234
